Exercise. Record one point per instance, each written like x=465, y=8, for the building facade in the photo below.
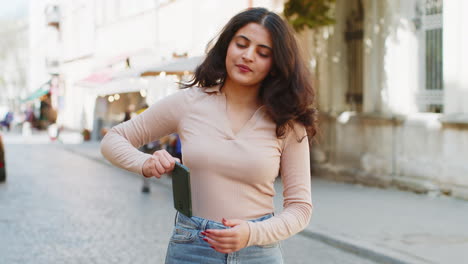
x=390, y=77
x=44, y=96
x=392, y=90
x=14, y=60
x=102, y=44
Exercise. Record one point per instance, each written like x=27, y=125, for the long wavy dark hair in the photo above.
x=287, y=91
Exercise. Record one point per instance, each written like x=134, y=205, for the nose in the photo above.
x=248, y=54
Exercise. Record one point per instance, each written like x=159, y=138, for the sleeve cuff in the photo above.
x=251, y=240
x=143, y=159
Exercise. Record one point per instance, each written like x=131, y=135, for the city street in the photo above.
x=379, y=86
x=61, y=207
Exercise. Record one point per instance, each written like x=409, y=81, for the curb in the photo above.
x=365, y=250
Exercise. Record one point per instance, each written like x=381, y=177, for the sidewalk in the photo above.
x=386, y=225
x=389, y=225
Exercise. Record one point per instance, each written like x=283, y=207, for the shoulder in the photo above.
x=295, y=133
x=297, y=129
x=196, y=92
x=186, y=99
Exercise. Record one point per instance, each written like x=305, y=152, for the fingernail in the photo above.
x=203, y=233
x=204, y=239
x=213, y=247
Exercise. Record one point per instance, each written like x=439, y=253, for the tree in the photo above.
x=303, y=14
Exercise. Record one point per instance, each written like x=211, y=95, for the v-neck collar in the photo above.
x=227, y=123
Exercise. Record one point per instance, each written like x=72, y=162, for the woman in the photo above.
x=244, y=123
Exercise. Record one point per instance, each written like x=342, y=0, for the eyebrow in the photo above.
x=261, y=45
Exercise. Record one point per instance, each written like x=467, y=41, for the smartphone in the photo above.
x=181, y=190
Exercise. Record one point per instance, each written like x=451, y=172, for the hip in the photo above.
x=186, y=245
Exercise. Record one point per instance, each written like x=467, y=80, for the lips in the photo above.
x=243, y=68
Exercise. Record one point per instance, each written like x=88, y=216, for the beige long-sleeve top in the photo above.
x=232, y=175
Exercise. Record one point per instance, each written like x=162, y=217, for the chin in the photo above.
x=245, y=81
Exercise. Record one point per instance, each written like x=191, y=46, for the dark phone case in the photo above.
x=181, y=189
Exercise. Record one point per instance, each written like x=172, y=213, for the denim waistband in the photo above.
x=199, y=223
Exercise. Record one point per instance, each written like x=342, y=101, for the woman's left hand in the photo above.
x=228, y=240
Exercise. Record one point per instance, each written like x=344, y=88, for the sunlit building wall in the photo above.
x=13, y=65
x=38, y=44
x=391, y=88
x=44, y=52
x=113, y=36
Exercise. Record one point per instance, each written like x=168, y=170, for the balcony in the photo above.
x=52, y=15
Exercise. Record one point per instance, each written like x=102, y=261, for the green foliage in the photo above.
x=303, y=14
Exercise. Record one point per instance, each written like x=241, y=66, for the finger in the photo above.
x=177, y=159
x=170, y=159
x=216, y=233
x=165, y=162
x=164, y=151
x=155, y=173
x=232, y=223
x=220, y=246
x=221, y=240
x=157, y=165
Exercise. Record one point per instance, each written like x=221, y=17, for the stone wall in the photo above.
x=421, y=153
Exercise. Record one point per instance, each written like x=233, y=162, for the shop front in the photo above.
x=40, y=108
x=112, y=98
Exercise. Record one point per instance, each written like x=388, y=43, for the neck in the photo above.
x=239, y=95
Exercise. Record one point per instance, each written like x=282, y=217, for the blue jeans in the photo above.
x=186, y=245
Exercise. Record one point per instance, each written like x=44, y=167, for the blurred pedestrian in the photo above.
x=29, y=121
x=127, y=116
x=7, y=121
x=243, y=120
x=178, y=148
x=129, y=113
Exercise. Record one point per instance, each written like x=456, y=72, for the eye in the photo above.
x=240, y=45
x=264, y=53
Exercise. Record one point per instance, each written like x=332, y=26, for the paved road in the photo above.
x=60, y=207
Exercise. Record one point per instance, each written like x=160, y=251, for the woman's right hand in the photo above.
x=159, y=163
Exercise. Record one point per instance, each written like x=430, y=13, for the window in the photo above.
x=430, y=95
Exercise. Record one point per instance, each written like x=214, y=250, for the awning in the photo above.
x=119, y=86
x=108, y=81
x=43, y=90
x=96, y=79
x=175, y=66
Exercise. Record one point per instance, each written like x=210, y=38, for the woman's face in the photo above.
x=249, y=56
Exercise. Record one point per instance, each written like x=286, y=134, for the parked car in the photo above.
x=2, y=161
